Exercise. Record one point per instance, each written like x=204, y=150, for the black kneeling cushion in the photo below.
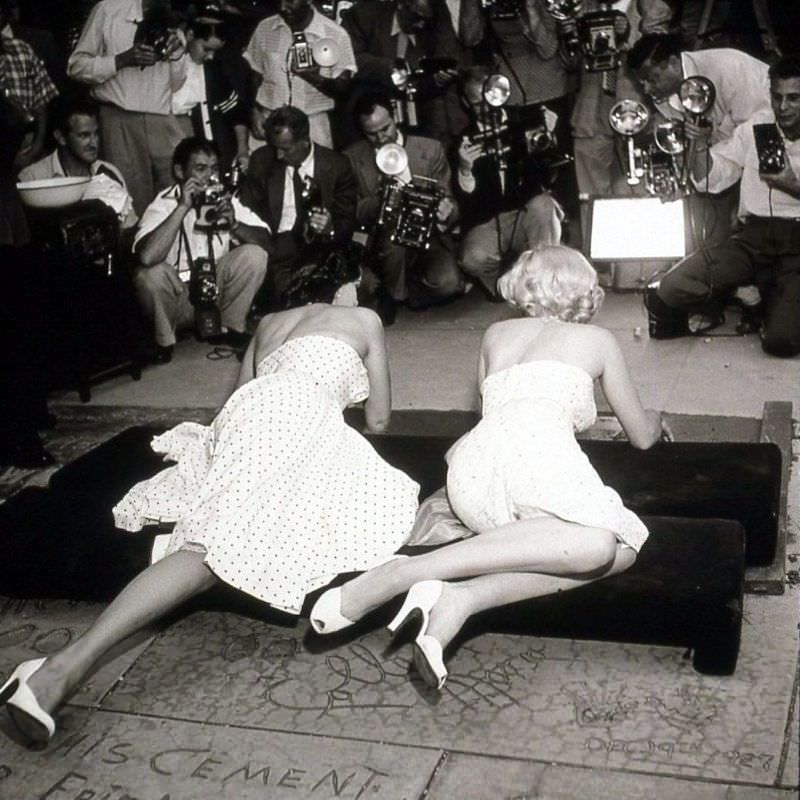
x=685, y=588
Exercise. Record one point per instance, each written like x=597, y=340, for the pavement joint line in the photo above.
x=449, y=751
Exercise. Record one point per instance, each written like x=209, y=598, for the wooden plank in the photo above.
x=776, y=427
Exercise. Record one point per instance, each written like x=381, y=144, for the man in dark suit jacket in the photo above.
x=503, y=212
x=384, y=33
x=420, y=277
x=305, y=192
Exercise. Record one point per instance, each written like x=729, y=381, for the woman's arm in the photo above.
x=378, y=407
x=643, y=427
x=260, y=344
x=248, y=370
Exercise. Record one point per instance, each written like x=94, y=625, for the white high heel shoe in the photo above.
x=428, y=653
x=17, y=695
x=326, y=614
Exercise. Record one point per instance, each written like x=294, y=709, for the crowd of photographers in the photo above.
x=430, y=140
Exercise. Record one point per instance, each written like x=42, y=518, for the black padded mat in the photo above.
x=53, y=539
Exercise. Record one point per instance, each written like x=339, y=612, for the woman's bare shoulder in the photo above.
x=368, y=317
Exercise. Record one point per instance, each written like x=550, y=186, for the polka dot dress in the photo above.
x=279, y=492
x=522, y=459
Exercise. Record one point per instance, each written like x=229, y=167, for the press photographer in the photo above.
x=128, y=53
x=764, y=153
x=423, y=275
x=288, y=69
x=305, y=193
x=200, y=248
x=408, y=50
x=661, y=65
x=505, y=159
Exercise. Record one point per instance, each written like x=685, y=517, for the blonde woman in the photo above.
x=544, y=519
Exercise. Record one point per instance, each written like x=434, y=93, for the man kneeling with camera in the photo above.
x=765, y=154
x=202, y=254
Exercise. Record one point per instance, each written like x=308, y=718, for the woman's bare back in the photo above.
x=530, y=339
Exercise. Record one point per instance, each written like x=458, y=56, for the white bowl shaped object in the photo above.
x=52, y=192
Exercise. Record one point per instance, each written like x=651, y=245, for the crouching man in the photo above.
x=188, y=222
x=764, y=153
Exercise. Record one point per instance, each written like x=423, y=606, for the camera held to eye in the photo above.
x=206, y=202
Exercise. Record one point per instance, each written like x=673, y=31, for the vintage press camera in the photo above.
x=593, y=34
x=203, y=295
x=408, y=210
x=407, y=82
x=206, y=202
x=155, y=30
x=602, y=49
x=303, y=55
x=769, y=148
x=309, y=200
x=203, y=287
x=661, y=163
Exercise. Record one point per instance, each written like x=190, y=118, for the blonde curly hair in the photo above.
x=553, y=281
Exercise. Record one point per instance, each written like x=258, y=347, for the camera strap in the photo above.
x=184, y=242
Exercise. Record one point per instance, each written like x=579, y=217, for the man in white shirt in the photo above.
x=134, y=82
x=75, y=130
x=766, y=250
x=659, y=64
x=279, y=78
x=168, y=242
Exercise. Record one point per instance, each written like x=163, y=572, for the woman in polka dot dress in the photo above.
x=276, y=497
x=546, y=522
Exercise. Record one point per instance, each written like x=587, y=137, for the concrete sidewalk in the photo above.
x=226, y=705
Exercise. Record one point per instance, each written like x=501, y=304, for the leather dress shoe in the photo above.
x=163, y=354
x=703, y=323
x=751, y=320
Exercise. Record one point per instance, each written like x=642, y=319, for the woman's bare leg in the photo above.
x=546, y=546
x=159, y=589
x=459, y=601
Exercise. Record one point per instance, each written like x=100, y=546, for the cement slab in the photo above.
x=593, y=704
x=118, y=757
x=475, y=778
x=790, y=774
x=32, y=629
